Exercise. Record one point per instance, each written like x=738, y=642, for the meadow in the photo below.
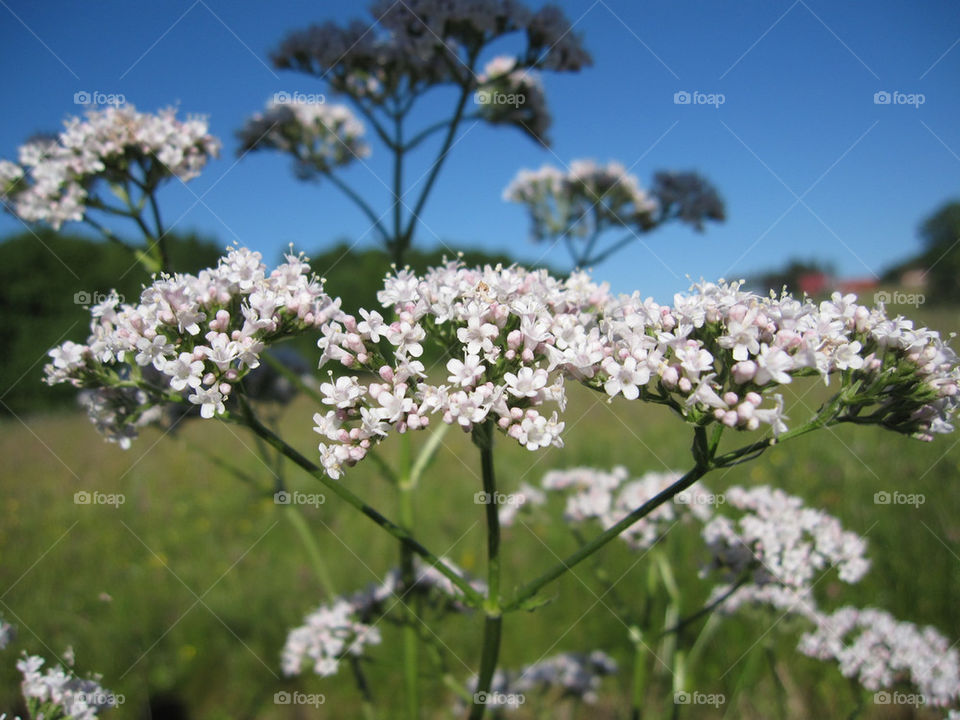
x=184, y=593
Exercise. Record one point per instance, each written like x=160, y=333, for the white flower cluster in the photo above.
x=780, y=545
x=52, y=180
x=192, y=336
x=575, y=675
x=511, y=95
x=511, y=335
x=608, y=498
x=319, y=136
x=718, y=350
x=60, y=693
x=582, y=201
x=343, y=627
x=880, y=652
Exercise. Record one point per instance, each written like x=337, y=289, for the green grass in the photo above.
x=189, y=587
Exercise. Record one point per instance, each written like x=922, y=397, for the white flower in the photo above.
x=527, y=382
x=466, y=372
x=210, y=401
x=184, y=371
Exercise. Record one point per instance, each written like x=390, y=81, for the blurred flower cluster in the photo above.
x=347, y=625
x=53, y=180
x=318, y=136
x=57, y=693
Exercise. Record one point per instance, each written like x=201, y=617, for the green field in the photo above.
x=187, y=590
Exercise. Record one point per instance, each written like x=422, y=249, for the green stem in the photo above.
x=493, y=623
x=441, y=156
x=359, y=202
x=531, y=588
x=471, y=596
x=313, y=550
x=408, y=573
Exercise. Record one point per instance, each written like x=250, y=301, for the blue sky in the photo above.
x=809, y=165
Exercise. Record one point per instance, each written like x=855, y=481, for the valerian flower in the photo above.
x=318, y=136
x=55, y=179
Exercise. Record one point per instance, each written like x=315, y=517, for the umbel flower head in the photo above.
x=408, y=47
x=318, y=136
x=58, y=693
x=191, y=338
x=588, y=199
x=54, y=179
x=508, y=96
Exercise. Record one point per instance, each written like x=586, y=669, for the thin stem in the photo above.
x=471, y=596
x=411, y=680
x=313, y=550
x=623, y=242
x=531, y=588
x=438, y=163
x=398, y=245
x=161, y=235
x=706, y=610
x=493, y=624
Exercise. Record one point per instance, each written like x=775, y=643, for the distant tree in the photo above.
x=940, y=233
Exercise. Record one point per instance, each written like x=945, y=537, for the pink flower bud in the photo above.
x=730, y=398
x=744, y=371
x=685, y=385
x=730, y=418
x=386, y=372
x=754, y=398
x=670, y=377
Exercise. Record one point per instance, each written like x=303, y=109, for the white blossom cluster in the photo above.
x=583, y=200
x=191, y=337
x=510, y=95
x=52, y=180
x=716, y=352
x=318, y=136
x=780, y=545
x=58, y=693
x=511, y=335
x=574, y=675
x=879, y=651
x=608, y=497
x=347, y=625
